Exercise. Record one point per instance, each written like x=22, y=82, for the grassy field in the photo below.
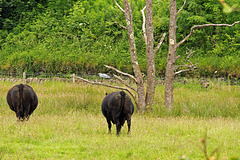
x=68, y=124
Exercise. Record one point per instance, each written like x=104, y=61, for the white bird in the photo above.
x=103, y=75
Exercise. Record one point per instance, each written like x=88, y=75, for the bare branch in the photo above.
x=108, y=85
x=189, y=56
x=127, y=85
x=144, y=25
x=120, y=72
x=132, y=5
x=185, y=38
x=121, y=25
x=184, y=70
x=190, y=67
x=160, y=43
x=180, y=66
x=215, y=25
x=119, y=6
x=181, y=8
x=202, y=26
x=177, y=57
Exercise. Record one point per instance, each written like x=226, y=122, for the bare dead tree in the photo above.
x=173, y=45
x=144, y=99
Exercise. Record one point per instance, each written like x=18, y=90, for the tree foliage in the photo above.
x=81, y=36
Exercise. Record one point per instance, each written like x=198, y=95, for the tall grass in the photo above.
x=194, y=100
x=68, y=124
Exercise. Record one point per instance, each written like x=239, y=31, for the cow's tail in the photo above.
x=21, y=99
x=123, y=94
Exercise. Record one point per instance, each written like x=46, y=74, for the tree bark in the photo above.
x=151, y=72
x=132, y=48
x=169, y=76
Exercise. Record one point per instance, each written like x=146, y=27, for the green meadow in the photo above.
x=68, y=124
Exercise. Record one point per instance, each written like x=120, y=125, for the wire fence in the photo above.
x=36, y=77
x=41, y=77
x=40, y=74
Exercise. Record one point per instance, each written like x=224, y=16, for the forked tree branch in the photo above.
x=123, y=73
x=160, y=43
x=202, y=26
x=119, y=6
x=144, y=25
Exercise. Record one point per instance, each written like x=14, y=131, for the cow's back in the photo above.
x=24, y=97
x=111, y=101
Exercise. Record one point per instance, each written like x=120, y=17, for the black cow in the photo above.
x=117, y=107
x=22, y=100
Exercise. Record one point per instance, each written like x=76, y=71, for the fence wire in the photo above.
x=38, y=77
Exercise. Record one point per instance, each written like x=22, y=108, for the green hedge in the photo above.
x=82, y=36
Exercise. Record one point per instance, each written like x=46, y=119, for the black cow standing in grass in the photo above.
x=117, y=107
x=22, y=100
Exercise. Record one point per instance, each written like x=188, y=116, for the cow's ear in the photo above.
x=106, y=93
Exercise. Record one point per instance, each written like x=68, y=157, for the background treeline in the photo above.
x=80, y=36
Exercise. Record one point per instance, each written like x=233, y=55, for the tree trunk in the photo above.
x=132, y=48
x=150, y=55
x=173, y=45
x=169, y=76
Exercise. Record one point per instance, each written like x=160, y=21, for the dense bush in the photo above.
x=81, y=36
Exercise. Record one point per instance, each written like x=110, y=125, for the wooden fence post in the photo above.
x=73, y=77
x=24, y=77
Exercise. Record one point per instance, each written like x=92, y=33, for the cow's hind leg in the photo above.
x=18, y=115
x=26, y=112
x=118, y=126
x=27, y=117
x=109, y=126
x=129, y=123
